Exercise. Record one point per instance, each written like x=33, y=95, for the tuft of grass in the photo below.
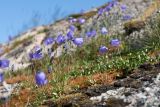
x=45, y=30
x=152, y=39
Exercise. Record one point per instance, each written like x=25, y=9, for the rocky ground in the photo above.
x=141, y=88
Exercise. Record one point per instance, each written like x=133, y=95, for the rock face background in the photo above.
x=139, y=89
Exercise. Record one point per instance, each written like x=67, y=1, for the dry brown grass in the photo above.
x=17, y=79
x=65, y=99
x=26, y=94
x=98, y=78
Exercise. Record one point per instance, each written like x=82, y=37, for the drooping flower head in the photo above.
x=91, y=33
x=4, y=63
x=94, y=33
x=72, y=28
x=123, y=7
x=81, y=20
x=36, y=56
x=70, y=35
x=40, y=78
x=60, y=39
x=127, y=17
x=104, y=31
x=100, y=11
x=110, y=5
x=73, y=20
x=114, y=3
x=78, y=41
x=103, y=49
x=37, y=49
x=108, y=8
x=1, y=77
x=115, y=42
x=36, y=53
x=88, y=34
x=48, y=41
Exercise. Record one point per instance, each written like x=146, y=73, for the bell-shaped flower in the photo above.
x=91, y=33
x=78, y=41
x=48, y=41
x=60, y=39
x=40, y=78
x=104, y=31
x=73, y=20
x=37, y=49
x=70, y=35
x=4, y=63
x=81, y=20
x=94, y=33
x=115, y=2
x=72, y=28
x=115, y=42
x=1, y=77
x=103, y=49
x=127, y=17
x=88, y=34
x=100, y=11
x=123, y=7
x=36, y=55
x=108, y=7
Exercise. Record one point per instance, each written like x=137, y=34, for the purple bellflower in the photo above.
x=1, y=77
x=48, y=41
x=70, y=35
x=115, y=42
x=81, y=20
x=100, y=11
x=4, y=63
x=36, y=53
x=91, y=33
x=104, y=31
x=127, y=17
x=60, y=39
x=73, y=20
x=37, y=49
x=72, y=28
x=78, y=41
x=123, y=7
x=41, y=78
x=103, y=49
